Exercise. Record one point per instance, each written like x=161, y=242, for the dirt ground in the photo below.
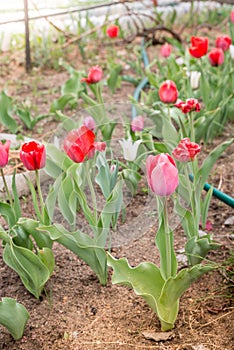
x=75, y=312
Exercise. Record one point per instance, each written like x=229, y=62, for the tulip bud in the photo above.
x=165, y=50
x=231, y=50
x=168, y=92
x=162, y=174
x=33, y=155
x=4, y=153
x=216, y=57
x=195, y=79
x=112, y=31
x=137, y=123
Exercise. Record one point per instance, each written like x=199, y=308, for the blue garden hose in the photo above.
x=216, y=193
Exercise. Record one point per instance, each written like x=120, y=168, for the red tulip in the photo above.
x=216, y=57
x=4, y=152
x=223, y=42
x=33, y=155
x=232, y=16
x=162, y=174
x=165, y=50
x=168, y=92
x=186, y=150
x=94, y=76
x=80, y=144
x=112, y=31
x=199, y=46
x=190, y=105
x=137, y=123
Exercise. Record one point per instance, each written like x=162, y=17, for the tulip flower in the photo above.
x=162, y=174
x=130, y=149
x=231, y=50
x=232, y=16
x=137, y=123
x=216, y=57
x=33, y=155
x=168, y=92
x=89, y=122
x=4, y=153
x=186, y=150
x=199, y=46
x=112, y=31
x=80, y=144
x=190, y=105
x=165, y=50
x=223, y=42
x=94, y=76
x=195, y=79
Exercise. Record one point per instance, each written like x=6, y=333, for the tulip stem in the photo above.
x=167, y=238
x=6, y=187
x=38, y=184
x=91, y=188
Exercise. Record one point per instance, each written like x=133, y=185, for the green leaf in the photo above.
x=33, y=273
x=197, y=248
x=16, y=202
x=6, y=109
x=82, y=245
x=47, y=257
x=8, y=213
x=205, y=206
x=114, y=76
x=145, y=279
x=67, y=200
x=13, y=316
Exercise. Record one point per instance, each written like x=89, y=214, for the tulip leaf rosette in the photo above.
x=161, y=287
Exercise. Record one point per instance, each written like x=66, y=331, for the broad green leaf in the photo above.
x=47, y=257
x=114, y=77
x=33, y=273
x=83, y=246
x=6, y=109
x=7, y=212
x=16, y=202
x=60, y=103
x=13, y=316
x=205, y=206
x=145, y=279
x=66, y=205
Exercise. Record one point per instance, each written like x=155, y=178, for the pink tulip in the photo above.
x=165, y=50
x=4, y=152
x=216, y=57
x=168, y=92
x=137, y=123
x=186, y=150
x=190, y=105
x=94, y=76
x=232, y=16
x=223, y=42
x=162, y=174
x=89, y=122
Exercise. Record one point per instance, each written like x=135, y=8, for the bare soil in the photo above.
x=75, y=312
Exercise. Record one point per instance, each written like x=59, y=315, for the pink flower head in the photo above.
x=165, y=50
x=4, y=153
x=162, y=174
x=100, y=146
x=186, y=150
x=223, y=42
x=208, y=226
x=232, y=16
x=199, y=46
x=33, y=155
x=190, y=105
x=94, y=76
x=137, y=123
x=112, y=31
x=168, y=92
x=216, y=57
x=89, y=122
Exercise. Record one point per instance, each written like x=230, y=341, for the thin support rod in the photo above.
x=27, y=41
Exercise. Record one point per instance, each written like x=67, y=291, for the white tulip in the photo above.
x=231, y=50
x=130, y=149
x=195, y=79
